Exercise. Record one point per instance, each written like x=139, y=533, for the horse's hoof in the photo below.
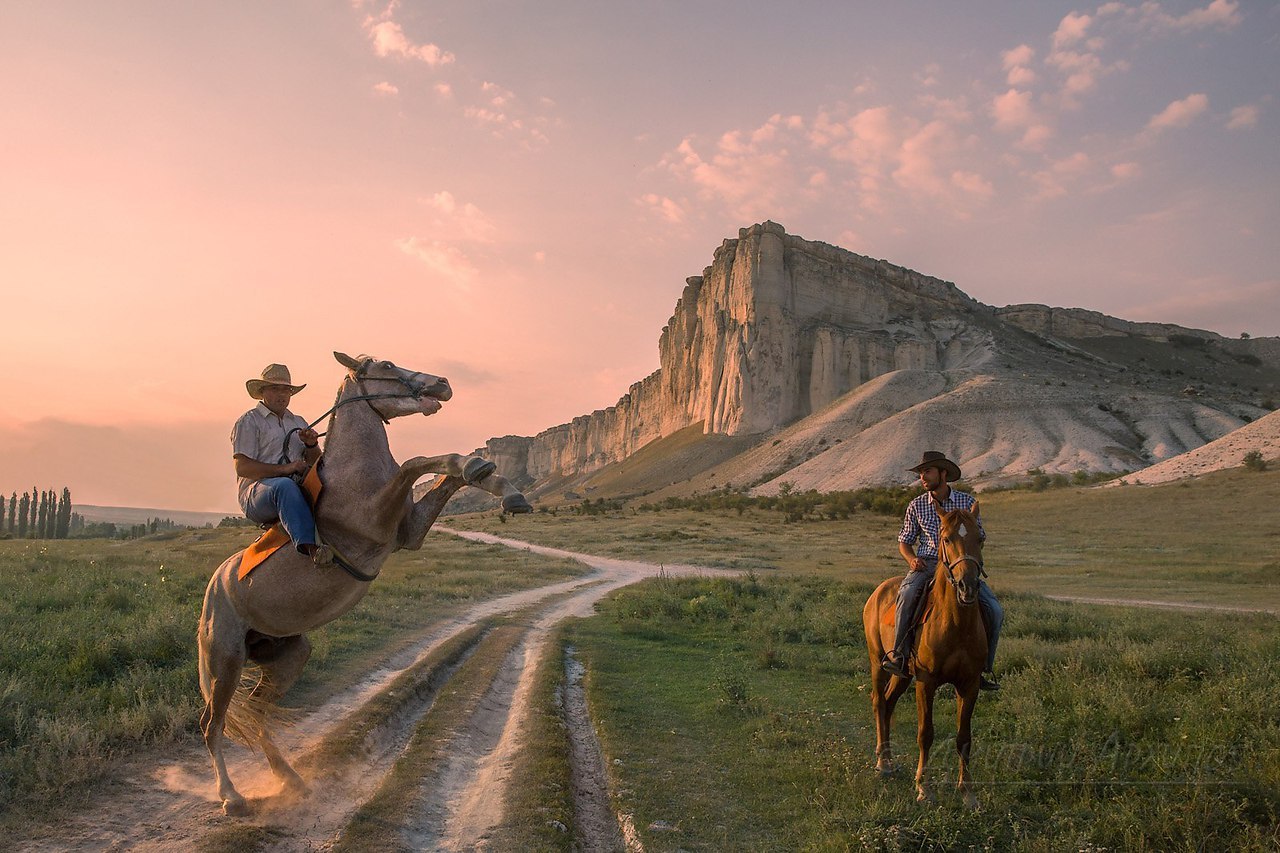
x=235, y=807
x=516, y=504
x=926, y=798
x=477, y=469
x=295, y=789
x=888, y=771
x=971, y=803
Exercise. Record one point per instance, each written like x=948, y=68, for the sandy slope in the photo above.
x=1228, y=451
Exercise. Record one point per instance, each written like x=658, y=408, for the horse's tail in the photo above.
x=252, y=712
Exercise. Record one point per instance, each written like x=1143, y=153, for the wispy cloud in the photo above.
x=459, y=220
x=1242, y=117
x=389, y=40
x=664, y=207
x=1179, y=113
x=385, y=88
x=446, y=261
x=1017, y=65
x=484, y=102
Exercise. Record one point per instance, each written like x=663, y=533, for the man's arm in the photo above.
x=908, y=553
x=907, y=539
x=252, y=469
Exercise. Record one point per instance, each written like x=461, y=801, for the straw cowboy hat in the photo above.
x=934, y=459
x=272, y=374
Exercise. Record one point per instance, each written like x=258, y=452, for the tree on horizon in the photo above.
x=24, y=515
x=62, y=528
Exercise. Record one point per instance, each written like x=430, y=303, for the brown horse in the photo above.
x=950, y=648
x=366, y=512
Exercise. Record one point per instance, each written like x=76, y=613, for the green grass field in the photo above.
x=735, y=716
x=1208, y=541
x=734, y=713
x=99, y=657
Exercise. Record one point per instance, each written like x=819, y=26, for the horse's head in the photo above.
x=395, y=391
x=962, y=552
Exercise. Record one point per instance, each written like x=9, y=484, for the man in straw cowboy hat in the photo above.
x=268, y=455
x=919, y=546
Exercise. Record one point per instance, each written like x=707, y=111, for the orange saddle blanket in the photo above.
x=275, y=538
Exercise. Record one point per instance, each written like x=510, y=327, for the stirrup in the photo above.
x=895, y=667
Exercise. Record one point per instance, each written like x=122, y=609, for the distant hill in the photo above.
x=791, y=361
x=1263, y=436
x=139, y=515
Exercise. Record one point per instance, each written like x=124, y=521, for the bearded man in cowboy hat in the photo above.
x=271, y=446
x=919, y=546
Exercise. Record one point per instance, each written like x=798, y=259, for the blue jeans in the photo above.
x=910, y=594
x=280, y=499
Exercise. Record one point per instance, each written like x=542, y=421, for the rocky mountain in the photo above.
x=795, y=361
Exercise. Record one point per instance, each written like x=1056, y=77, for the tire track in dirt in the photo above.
x=173, y=806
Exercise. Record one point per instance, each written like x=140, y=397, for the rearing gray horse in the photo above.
x=366, y=512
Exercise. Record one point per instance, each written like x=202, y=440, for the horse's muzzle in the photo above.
x=441, y=390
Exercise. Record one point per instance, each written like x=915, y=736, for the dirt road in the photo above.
x=174, y=806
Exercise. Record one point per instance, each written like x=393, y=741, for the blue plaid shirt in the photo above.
x=921, y=523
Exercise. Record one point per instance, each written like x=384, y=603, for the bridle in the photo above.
x=415, y=383
x=962, y=559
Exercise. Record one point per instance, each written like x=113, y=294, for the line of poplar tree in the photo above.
x=39, y=515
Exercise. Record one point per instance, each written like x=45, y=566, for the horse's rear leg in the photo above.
x=886, y=689
x=282, y=660
x=220, y=664
x=966, y=699
x=924, y=709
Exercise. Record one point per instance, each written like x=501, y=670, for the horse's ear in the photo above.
x=974, y=509
x=346, y=360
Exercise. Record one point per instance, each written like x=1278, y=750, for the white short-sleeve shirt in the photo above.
x=259, y=435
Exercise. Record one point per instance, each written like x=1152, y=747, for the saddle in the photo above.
x=890, y=615
x=275, y=538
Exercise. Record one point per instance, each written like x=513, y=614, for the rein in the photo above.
x=415, y=388
x=415, y=391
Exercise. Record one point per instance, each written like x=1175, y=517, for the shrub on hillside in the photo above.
x=1254, y=462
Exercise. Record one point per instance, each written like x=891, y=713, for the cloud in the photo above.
x=1223, y=14
x=1016, y=65
x=385, y=88
x=1125, y=171
x=973, y=184
x=1012, y=110
x=753, y=172
x=1071, y=29
x=1036, y=137
x=1179, y=113
x=1244, y=116
x=501, y=109
x=443, y=89
x=446, y=261
x=663, y=207
x=389, y=40
x=459, y=221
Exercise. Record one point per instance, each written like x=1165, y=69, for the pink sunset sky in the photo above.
x=512, y=194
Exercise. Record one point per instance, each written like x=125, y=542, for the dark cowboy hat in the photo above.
x=272, y=374
x=934, y=459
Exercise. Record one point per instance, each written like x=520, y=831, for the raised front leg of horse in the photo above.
x=474, y=471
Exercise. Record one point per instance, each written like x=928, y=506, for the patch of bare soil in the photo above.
x=592, y=813
x=173, y=805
